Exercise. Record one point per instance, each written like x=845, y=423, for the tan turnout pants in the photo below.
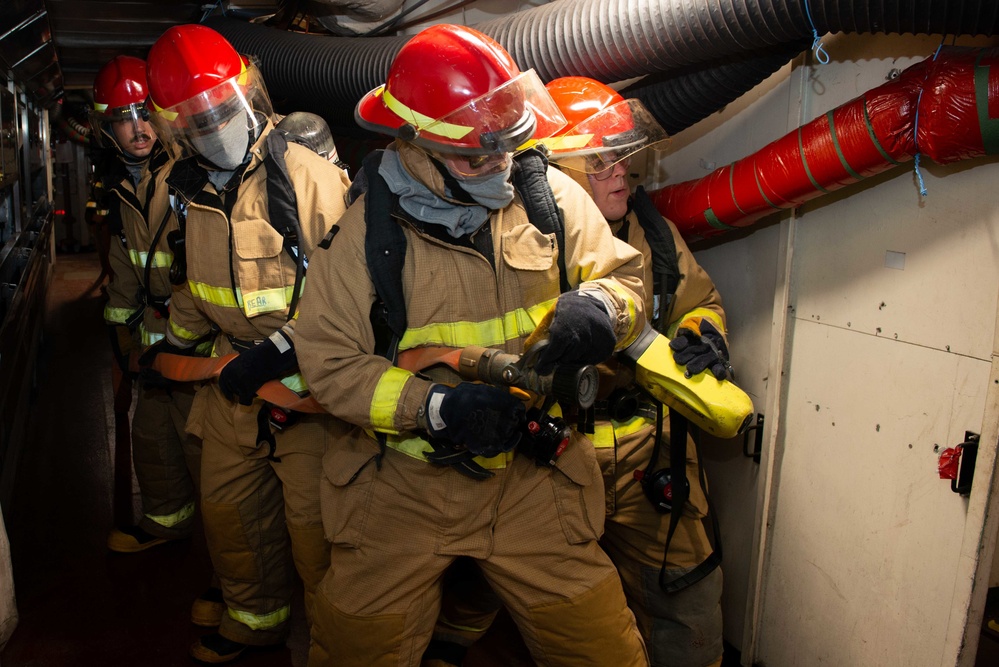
x=532, y=531
x=261, y=516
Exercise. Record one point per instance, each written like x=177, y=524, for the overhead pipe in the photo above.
x=680, y=98
x=954, y=95
x=610, y=40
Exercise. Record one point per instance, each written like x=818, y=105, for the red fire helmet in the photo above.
x=454, y=89
x=603, y=126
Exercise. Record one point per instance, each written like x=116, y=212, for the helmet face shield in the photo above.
x=126, y=129
x=504, y=120
x=236, y=108
x=608, y=137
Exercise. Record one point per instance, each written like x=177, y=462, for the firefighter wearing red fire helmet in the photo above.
x=137, y=305
x=245, y=246
x=682, y=628
x=437, y=468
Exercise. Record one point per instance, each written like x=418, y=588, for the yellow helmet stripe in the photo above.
x=420, y=121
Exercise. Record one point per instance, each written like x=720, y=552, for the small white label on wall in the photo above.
x=894, y=260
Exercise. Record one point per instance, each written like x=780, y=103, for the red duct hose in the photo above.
x=957, y=95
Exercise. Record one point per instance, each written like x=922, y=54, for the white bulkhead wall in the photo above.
x=863, y=327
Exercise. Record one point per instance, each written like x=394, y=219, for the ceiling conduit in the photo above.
x=957, y=93
x=610, y=40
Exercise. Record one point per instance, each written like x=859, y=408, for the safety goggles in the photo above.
x=471, y=166
x=607, y=172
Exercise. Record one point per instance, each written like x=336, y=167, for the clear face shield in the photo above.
x=479, y=138
x=126, y=128
x=608, y=137
x=219, y=125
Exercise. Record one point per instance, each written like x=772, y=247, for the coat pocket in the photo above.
x=525, y=248
x=260, y=272
x=578, y=491
x=345, y=494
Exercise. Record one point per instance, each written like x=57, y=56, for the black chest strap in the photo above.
x=665, y=267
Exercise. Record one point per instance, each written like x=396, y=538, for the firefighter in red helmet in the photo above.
x=682, y=627
x=459, y=240
x=252, y=209
x=167, y=458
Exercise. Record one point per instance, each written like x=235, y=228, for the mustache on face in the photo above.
x=141, y=138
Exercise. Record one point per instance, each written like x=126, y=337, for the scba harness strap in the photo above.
x=668, y=489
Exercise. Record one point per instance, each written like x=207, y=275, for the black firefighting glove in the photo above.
x=699, y=345
x=243, y=376
x=581, y=333
x=483, y=419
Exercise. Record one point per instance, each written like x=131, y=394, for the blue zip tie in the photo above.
x=915, y=130
x=209, y=9
x=817, y=47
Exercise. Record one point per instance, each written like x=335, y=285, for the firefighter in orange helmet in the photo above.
x=682, y=628
x=252, y=209
x=447, y=248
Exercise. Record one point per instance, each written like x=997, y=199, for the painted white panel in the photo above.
x=745, y=274
x=866, y=541
x=948, y=280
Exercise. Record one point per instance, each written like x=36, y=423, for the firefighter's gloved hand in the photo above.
x=486, y=420
x=699, y=345
x=580, y=333
x=243, y=376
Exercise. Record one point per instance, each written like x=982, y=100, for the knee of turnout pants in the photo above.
x=160, y=449
x=682, y=629
x=468, y=606
x=246, y=498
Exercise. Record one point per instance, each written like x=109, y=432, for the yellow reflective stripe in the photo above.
x=296, y=383
x=181, y=332
x=266, y=300
x=100, y=107
x=253, y=303
x=603, y=435
x=567, y=142
x=171, y=520
x=149, y=337
x=495, y=331
x=217, y=296
x=422, y=122
x=161, y=259
x=386, y=398
x=117, y=315
x=633, y=425
x=261, y=621
x=415, y=447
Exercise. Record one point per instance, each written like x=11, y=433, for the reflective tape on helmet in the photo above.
x=422, y=122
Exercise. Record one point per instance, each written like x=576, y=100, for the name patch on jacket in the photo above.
x=264, y=301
